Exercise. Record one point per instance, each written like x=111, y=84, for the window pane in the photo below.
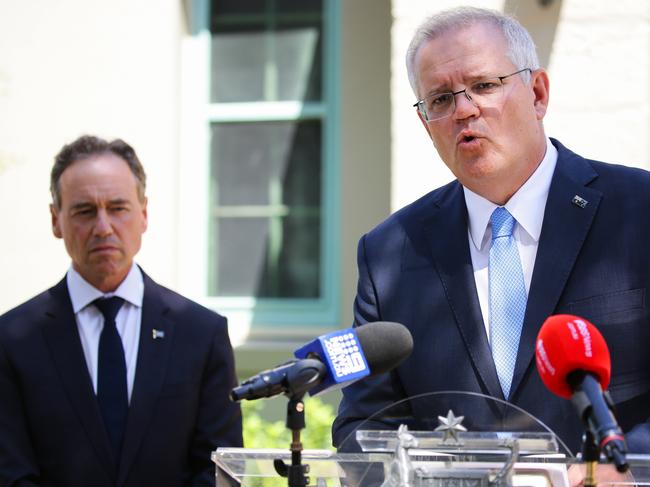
x=266, y=163
x=248, y=264
x=241, y=254
x=230, y=7
x=266, y=51
x=266, y=182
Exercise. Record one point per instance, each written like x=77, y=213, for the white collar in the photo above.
x=82, y=293
x=526, y=205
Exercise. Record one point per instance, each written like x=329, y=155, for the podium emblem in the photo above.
x=450, y=426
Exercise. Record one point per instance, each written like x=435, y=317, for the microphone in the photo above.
x=573, y=362
x=331, y=361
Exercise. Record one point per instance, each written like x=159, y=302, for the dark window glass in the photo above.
x=266, y=50
x=266, y=201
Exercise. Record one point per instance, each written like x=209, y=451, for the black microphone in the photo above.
x=595, y=407
x=383, y=346
x=294, y=377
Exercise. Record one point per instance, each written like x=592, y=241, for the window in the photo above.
x=271, y=156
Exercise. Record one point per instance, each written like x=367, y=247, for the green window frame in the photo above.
x=318, y=309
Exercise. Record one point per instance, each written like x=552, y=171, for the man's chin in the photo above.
x=105, y=274
x=478, y=168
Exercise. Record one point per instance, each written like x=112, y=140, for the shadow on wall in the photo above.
x=541, y=18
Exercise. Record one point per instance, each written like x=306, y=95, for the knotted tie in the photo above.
x=111, y=375
x=507, y=297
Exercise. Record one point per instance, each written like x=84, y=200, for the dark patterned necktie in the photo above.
x=111, y=375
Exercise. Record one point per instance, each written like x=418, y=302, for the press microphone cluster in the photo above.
x=573, y=362
x=331, y=361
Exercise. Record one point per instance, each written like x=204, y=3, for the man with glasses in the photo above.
x=528, y=229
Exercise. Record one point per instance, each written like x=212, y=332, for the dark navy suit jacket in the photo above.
x=415, y=268
x=51, y=430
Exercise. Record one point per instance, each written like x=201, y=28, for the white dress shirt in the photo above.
x=90, y=321
x=527, y=207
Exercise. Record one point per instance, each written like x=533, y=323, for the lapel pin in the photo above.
x=578, y=201
x=157, y=334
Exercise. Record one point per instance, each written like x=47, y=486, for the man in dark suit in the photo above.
x=130, y=397
x=578, y=232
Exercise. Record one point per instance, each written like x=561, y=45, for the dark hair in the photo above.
x=87, y=146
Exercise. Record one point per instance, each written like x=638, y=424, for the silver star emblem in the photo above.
x=450, y=426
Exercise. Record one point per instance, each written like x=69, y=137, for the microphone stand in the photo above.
x=295, y=472
x=590, y=455
x=294, y=379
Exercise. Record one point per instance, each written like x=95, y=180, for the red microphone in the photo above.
x=566, y=343
x=573, y=362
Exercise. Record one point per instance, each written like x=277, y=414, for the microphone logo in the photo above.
x=543, y=363
x=341, y=352
x=345, y=355
x=583, y=331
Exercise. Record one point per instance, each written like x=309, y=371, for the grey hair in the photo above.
x=521, y=48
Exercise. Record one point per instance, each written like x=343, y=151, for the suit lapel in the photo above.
x=564, y=229
x=449, y=247
x=62, y=338
x=153, y=357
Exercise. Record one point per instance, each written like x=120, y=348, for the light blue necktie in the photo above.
x=507, y=297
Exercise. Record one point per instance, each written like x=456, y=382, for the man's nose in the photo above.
x=464, y=106
x=103, y=226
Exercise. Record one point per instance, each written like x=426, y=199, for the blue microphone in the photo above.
x=342, y=355
x=332, y=361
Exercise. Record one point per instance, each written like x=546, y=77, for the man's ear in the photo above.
x=145, y=217
x=540, y=84
x=56, y=226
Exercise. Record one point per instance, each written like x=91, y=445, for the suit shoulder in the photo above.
x=24, y=317
x=618, y=173
x=414, y=212
x=181, y=306
x=602, y=175
x=624, y=188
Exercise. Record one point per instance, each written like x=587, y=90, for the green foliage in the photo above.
x=261, y=433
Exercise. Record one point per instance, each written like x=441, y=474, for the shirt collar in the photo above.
x=526, y=205
x=82, y=293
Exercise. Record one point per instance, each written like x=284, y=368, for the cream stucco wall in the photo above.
x=70, y=67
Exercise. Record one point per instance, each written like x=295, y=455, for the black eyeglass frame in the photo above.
x=418, y=103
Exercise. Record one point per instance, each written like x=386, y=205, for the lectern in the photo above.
x=389, y=450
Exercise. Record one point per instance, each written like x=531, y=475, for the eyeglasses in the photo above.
x=482, y=93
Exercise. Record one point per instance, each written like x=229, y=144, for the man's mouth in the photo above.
x=465, y=137
x=103, y=248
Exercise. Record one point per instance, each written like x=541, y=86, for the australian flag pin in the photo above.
x=579, y=201
x=157, y=334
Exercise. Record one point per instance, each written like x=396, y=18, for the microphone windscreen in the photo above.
x=385, y=344
x=567, y=343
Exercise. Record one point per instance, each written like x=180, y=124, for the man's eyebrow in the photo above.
x=119, y=201
x=88, y=204
x=469, y=79
x=82, y=205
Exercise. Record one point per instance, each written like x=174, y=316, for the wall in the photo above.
x=365, y=131
x=71, y=67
